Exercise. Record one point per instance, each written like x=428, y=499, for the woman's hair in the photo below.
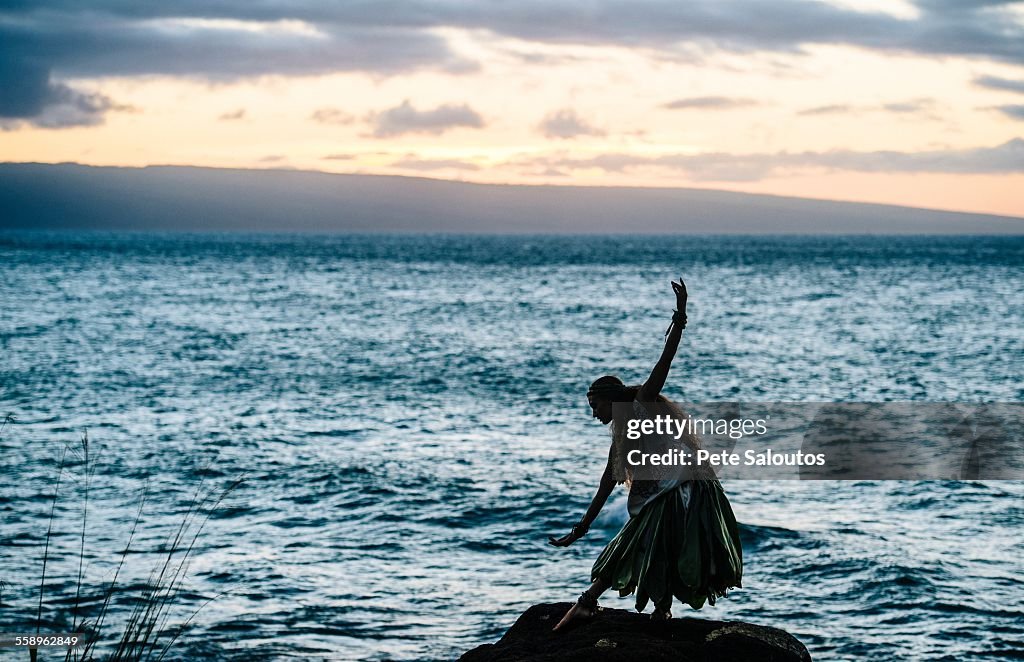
x=612, y=388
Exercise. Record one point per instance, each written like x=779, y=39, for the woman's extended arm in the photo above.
x=652, y=387
x=604, y=489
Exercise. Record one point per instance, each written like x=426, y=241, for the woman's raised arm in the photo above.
x=652, y=387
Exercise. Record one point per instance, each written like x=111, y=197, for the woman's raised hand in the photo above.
x=680, y=290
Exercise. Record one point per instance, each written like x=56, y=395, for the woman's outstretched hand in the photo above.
x=577, y=532
x=564, y=541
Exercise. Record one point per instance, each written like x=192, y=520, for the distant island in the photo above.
x=70, y=196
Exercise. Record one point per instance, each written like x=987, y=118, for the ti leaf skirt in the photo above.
x=683, y=543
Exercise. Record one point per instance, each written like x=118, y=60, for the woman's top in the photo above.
x=647, y=482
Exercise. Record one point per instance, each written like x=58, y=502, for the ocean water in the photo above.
x=409, y=417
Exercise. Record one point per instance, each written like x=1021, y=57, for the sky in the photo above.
x=917, y=103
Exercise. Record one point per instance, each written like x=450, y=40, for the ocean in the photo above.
x=409, y=419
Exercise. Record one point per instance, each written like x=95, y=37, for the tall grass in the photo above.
x=33, y=653
x=147, y=633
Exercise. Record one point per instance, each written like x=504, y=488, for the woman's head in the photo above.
x=604, y=392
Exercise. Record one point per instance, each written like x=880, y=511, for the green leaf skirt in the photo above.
x=673, y=548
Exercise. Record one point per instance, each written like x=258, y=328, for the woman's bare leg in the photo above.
x=580, y=610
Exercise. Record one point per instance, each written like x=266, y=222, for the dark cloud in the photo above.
x=392, y=35
x=413, y=163
x=996, y=83
x=30, y=97
x=48, y=43
x=233, y=115
x=224, y=41
x=72, y=108
x=564, y=124
x=404, y=118
x=219, y=41
x=332, y=116
x=26, y=89
x=987, y=30
x=722, y=167
x=1016, y=111
x=710, y=103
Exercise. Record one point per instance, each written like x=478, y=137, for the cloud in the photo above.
x=538, y=58
x=724, y=167
x=30, y=98
x=340, y=157
x=413, y=163
x=272, y=158
x=1004, y=84
x=233, y=115
x=1016, y=111
x=403, y=119
x=229, y=38
x=711, y=103
x=833, y=109
x=220, y=41
x=984, y=30
x=46, y=44
x=911, y=107
x=922, y=107
x=565, y=124
x=332, y=116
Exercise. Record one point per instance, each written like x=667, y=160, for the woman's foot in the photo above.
x=659, y=615
x=584, y=609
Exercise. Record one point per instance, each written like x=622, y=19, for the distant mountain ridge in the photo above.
x=185, y=198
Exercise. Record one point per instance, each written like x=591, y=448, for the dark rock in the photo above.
x=615, y=634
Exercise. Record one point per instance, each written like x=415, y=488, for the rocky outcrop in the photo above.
x=615, y=634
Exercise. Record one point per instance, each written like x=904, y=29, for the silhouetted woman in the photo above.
x=681, y=539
